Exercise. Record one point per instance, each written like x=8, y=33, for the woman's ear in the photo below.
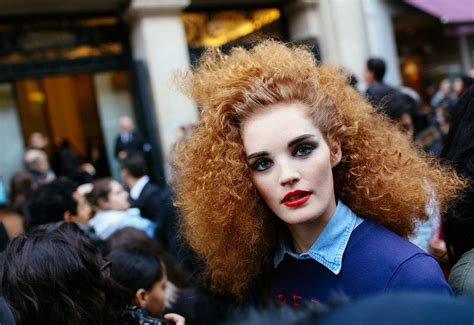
x=141, y=297
x=336, y=153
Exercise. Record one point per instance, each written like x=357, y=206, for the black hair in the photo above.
x=459, y=150
x=130, y=238
x=377, y=67
x=53, y=275
x=135, y=164
x=49, y=202
x=136, y=268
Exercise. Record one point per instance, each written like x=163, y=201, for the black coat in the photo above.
x=136, y=144
x=156, y=204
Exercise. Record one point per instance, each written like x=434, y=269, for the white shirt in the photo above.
x=137, y=189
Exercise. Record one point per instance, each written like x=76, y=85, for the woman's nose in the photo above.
x=289, y=175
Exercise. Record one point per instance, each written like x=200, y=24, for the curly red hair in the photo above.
x=381, y=176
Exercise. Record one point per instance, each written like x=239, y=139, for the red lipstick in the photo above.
x=296, y=198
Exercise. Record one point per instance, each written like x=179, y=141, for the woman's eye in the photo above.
x=303, y=150
x=262, y=164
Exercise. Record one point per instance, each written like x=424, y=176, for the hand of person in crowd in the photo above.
x=177, y=319
x=437, y=248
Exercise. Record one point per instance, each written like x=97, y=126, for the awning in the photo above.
x=448, y=11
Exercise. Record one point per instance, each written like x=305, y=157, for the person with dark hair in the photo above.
x=143, y=274
x=462, y=85
x=143, y=194
x=195, y=303
x=384, y=97
x=57, y=201
x=154, y=203
x=112, y=210
x=54, y=275
x=459, y=221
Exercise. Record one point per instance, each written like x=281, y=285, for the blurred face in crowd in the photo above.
x=369, y=76
x=126, y=124
x=38, y=141
x=154, y=300
x=458, y=86
x=117, y=198
x=445, y=86
x=291, y=164
x=84, y=210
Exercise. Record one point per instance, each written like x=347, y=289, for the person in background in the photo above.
x=459, y=221
x=13, y=216
x=462, y=85
x=37, y=164
x=112, y=210
x=154, y=203
x=443, y=95
x=61, y=201
x=382, y=96
x=54, y=275
x=141, y=271
x=57, y=201
x=129, y=140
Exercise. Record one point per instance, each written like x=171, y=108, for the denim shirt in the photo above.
x=329, y=248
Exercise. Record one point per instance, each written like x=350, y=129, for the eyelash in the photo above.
x=308, y=149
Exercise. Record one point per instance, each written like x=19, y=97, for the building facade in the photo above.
x=70, y=69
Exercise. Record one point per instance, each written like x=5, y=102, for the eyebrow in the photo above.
x=257, y=155
x=299, y=139
x=290, y=144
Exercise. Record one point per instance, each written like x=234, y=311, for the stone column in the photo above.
x=158, y=39
x=381, y=36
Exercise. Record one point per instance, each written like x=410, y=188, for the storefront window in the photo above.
x=216, y=28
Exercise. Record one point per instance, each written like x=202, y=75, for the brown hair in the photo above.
x=100, y=190
x=381, y=176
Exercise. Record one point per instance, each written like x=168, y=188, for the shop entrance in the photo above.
x=64, y=109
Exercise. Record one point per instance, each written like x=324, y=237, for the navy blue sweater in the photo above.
x=375, y=260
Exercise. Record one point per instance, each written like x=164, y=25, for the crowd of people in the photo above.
x=293, y=190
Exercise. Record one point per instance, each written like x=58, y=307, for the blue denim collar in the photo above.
x=329, y=248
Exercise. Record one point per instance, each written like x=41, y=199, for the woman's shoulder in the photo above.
x=404, y=265
x=381, y=239
x=377, y=245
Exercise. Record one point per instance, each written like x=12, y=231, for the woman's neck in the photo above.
x=305, y=235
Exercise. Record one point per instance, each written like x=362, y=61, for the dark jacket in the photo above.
x=135, y=144
x=388, y=99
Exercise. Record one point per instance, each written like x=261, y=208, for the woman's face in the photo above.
x=291, y=163
x=117, y=198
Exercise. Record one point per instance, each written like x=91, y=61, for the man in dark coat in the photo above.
x=129, y=140
x=382, y=96
x=155, y=203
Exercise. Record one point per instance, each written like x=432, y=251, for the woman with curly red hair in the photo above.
x=292, y=182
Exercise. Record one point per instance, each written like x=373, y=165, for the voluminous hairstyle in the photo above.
x=381, y=176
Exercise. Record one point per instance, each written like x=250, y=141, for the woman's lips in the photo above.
x=296, y=198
